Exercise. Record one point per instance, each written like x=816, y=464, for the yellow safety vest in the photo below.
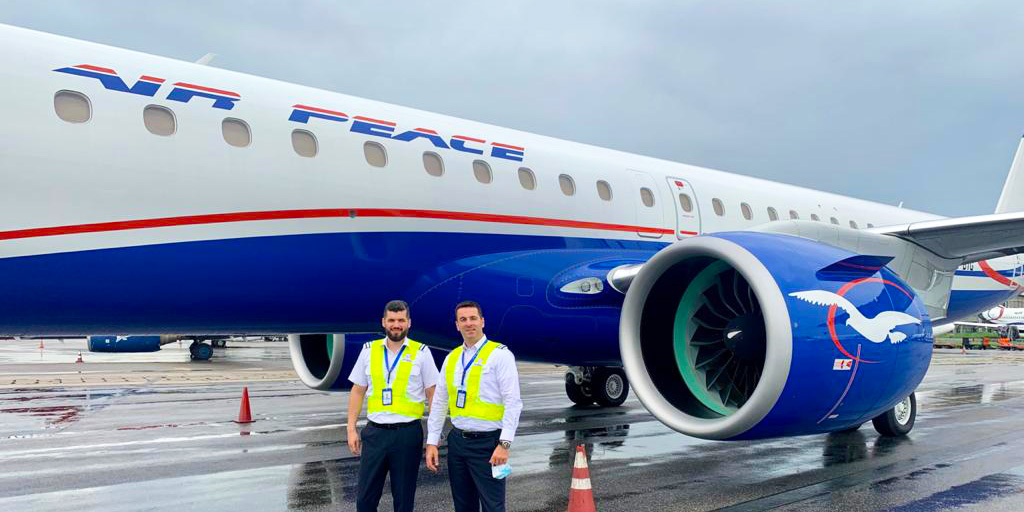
x=475, y=407
x=401, y=403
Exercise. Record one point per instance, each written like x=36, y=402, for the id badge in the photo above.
x=385, y=396
x=460, y=399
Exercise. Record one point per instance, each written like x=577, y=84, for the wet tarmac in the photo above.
x=173, y=446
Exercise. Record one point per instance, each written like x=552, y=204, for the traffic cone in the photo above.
x=41, y=345
x=79, y=360
x=581, y=497
x=244, y=414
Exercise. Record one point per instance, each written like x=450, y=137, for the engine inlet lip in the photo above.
x=302, y=369
x=778, y=352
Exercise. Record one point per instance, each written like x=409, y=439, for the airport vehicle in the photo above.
x=204, y=200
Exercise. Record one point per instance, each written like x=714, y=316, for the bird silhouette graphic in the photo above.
x=875, y=329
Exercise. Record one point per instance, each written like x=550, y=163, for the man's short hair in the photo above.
x=397, y=306
x=469, y=304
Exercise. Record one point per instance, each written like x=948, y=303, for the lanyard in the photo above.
x=391, y=367
x=465, y=366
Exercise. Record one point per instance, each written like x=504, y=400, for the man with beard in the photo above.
x=398, y=375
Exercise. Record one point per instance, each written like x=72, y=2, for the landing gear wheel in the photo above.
x=200, y=351
x=579, y=393
x=610, y=386
x=899, y=420
x=220, y=343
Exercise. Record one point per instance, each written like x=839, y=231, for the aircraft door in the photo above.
x=650, y=211
x=687, y=208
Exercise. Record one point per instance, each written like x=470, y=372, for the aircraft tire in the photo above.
x=201, y=352
x=899, y=420
x=577, y=393
x=610, y=386
x=220, y=343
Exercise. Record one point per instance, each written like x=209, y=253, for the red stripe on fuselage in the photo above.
x=96, y=68
x=207, y=89
x=218, y=218
x=996, y=276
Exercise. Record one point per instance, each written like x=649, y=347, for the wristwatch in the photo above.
x=505, y=444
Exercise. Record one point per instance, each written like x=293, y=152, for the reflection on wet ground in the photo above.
x=112, y=448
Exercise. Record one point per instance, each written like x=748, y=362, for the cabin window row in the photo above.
x=748, y=213
x=75, y=107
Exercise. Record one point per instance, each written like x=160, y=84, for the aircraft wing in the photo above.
x=972, y=238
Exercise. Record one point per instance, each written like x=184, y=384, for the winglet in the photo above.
x=853, y=267
x=1012, y=198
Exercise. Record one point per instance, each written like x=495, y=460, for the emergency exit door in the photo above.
x=686, y=208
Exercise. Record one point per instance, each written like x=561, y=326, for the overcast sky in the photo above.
x=914, y=101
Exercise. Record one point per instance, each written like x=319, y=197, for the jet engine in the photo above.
x=746, y=335
x=324, y=361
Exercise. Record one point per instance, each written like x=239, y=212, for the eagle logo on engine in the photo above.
x=875, y=329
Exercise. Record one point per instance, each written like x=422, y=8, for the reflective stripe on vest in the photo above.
x=475, y=407
x=401, y=403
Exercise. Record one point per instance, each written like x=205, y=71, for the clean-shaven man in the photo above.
x=479, y=388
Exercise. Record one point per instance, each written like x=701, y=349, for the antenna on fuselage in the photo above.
x=205, y=60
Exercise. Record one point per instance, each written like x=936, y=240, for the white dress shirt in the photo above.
x=499, y=384
x=422, y=375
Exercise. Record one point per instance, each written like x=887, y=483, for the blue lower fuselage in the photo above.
x=334, y=283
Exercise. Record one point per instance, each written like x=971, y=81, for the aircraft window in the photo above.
x=834, y=220
x=814, y=216
x=604, y=190
x=794, y=215
x=375, y=154
x=686, y=203
x=772, y=214
x=527, y=179
x=432, y=163
x=567, y=185
x=482, y=171
x=870, y=225
x=72, y=107
x=158, y=120
x=304, y=143
x=647, y=197
x=717, y=205
x=853, y=224
x=235, y=132
x=747, y=212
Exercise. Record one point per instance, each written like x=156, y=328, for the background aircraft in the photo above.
x=166, y=196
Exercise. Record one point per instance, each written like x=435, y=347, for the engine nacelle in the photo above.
x=749, y=335
x=324, y=361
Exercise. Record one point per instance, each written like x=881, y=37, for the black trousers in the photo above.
x=469, y=471
x=398, y=451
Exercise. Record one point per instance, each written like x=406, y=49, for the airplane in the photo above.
x=1001, y=315
x=141, y=194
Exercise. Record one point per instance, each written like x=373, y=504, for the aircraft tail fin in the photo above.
x=1012, y=198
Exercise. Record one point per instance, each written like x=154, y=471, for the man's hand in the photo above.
x=354, y=443
x=433, y=458
x=500, y=455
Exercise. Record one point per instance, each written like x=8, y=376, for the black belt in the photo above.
x=393, y=426
x=475, y=435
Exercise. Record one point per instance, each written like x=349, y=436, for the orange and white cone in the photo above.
x=581, y=497
x=79, y=360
